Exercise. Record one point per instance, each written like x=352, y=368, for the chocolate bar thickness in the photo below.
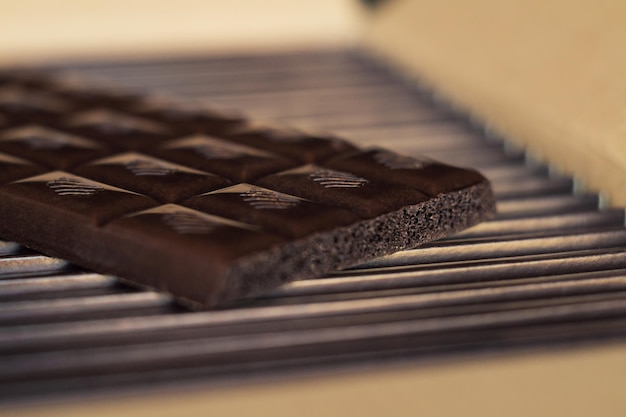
x=208, y=207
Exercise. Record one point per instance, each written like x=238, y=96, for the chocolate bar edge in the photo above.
x=308, y=257
x=325, y=252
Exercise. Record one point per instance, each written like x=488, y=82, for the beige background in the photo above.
x=547, y=73
x=36, y=30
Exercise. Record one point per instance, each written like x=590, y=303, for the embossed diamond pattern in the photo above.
x=111, y=181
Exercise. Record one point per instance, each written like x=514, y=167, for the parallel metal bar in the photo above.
x=573, y=221
x=16, y=264
x=494, y=270
x=20, y=312
x=532, y=186
x=513, y=170
x=547, y=204
x=460, y=251
x=25, y=287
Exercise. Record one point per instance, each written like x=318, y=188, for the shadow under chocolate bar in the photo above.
x=204, y=205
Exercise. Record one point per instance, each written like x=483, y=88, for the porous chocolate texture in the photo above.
x=208, y=206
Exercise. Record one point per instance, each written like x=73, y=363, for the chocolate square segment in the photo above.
x=303, y=146
x=188, y=117
x=119, y=130
x=423, y=174
x=280, y=213
x=24, y=105
x=13, y=168
x=62, y=197
x=161, y=180
x=231, y=160
x=343, y=189
x=203, y=246
x=25, y=78
x=49, y=147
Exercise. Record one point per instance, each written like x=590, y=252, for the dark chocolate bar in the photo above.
x=208, y=206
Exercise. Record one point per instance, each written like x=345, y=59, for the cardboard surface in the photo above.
x=546, y=73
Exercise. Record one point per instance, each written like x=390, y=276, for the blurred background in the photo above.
x=36, y=30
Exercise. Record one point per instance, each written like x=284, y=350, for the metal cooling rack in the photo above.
x=549, y=269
